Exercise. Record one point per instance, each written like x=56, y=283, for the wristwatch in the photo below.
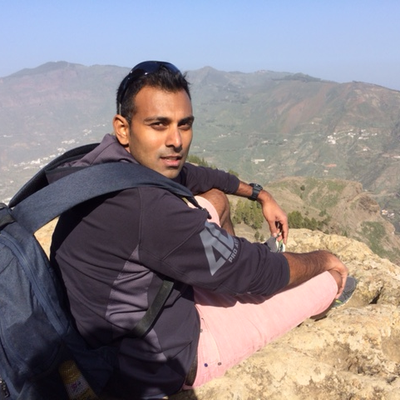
x=256, y=191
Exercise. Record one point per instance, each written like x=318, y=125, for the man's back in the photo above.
x=109, y=287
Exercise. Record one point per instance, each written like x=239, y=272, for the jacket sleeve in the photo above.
x=180, y=243
x=201, y=179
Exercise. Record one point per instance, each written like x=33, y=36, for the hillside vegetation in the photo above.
x=336, y=207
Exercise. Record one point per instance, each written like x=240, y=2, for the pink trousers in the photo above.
x=233, y=328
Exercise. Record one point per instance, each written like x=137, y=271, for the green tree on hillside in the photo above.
x=297, y=221
x=193, y=159
x=248, y=212
x=198, y=161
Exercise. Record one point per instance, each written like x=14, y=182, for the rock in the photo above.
x=353, y=353
x=44, y=234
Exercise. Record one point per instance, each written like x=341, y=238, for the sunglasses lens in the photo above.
x=142, y=69
x=148, y=67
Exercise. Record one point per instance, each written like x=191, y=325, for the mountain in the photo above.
x=298, y=125
x=264, y=125
x=269, y=127
x=46, y=110
x=343, y=207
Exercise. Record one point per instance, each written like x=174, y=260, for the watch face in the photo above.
x=256, y=190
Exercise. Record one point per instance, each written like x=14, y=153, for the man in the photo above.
x=230, y=298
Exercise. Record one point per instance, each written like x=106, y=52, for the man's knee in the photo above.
x=221, y=204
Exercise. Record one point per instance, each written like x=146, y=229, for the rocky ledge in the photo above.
x=353, y=353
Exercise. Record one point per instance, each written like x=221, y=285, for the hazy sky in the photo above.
x=341, y=40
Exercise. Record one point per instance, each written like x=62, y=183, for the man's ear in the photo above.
x=121, y=130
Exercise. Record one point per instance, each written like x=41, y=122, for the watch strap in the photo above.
x=256, y=191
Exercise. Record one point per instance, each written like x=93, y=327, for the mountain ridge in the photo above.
x=265, y=125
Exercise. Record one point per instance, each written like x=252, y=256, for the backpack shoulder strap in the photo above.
x=86, y=183
x=39, y=180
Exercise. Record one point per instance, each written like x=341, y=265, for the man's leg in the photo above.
x=233, y=328
x=220, y=202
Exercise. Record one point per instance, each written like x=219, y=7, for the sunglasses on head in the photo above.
x=143, y=69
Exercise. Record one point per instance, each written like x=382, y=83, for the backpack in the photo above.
x=37, y=332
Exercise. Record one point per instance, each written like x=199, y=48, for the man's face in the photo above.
x=160, y=132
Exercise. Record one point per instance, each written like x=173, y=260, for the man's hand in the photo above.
x=336, y=267
x=304, y=266
x=274, y=215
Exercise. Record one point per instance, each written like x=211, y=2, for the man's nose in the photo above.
x=174, y=137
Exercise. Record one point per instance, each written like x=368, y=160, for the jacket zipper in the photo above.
x=4, y=388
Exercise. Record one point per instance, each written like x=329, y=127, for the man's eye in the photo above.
x=158, y=124
x=186, y=126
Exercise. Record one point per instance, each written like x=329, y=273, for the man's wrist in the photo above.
x=256, y=191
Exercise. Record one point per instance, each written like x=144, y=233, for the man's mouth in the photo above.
x=172, y=161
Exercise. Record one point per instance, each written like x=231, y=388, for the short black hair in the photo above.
x=163, y=78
